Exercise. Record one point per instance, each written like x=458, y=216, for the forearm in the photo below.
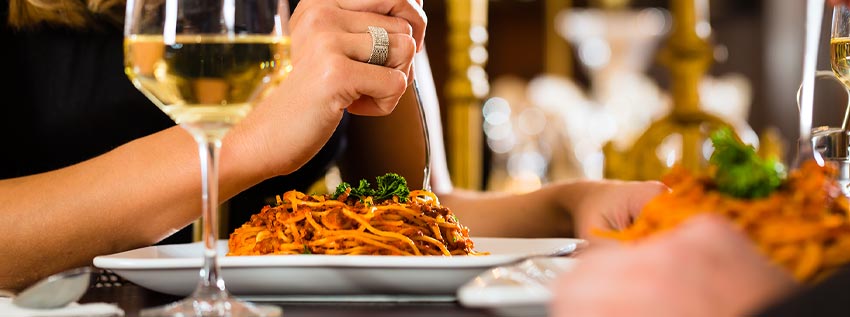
x=534, y=214
x=132, y=196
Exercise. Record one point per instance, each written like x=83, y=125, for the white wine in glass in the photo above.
x=205, y=79
x=839, y=44
x=206, y=63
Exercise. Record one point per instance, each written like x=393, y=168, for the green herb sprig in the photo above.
x=740, y=171
x=389, y=185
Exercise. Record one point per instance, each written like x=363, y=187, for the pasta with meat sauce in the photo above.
x=349, y=225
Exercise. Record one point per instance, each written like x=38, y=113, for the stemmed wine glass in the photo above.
x=839, y=44
x=206, y=63
x=839, y=52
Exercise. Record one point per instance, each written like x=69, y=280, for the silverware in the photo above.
x=426, y=182
x=56, y=291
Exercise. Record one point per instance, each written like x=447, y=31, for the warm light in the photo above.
x=478, y=34
x=478, y=54
x=595, y=53
x=531, y=121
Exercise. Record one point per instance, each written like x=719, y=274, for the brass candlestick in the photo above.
x=557, y=57
x=467, y=85
x=688, y=56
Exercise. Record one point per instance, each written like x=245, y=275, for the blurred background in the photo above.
x=535, y=91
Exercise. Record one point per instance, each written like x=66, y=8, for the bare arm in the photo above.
x=146, y=189
x=124, y=199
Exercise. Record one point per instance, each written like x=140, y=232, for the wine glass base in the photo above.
x=217, y=307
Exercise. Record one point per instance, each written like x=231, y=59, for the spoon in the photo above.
x=56, y=291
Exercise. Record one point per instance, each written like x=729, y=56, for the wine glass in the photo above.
x=839, y=52
x=206, y=63
x=839, y=43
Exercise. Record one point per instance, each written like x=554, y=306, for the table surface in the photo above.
x=132, y=298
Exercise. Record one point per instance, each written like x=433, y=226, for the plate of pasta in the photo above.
x=173, y=269
x=357, y=241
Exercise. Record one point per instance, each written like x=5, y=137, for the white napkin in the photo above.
x=7, y=309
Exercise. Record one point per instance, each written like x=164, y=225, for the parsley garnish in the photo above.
x=389, y=185
x=740, y=171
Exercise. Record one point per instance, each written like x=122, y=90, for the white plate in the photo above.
x=173, y=269
x=520, y=289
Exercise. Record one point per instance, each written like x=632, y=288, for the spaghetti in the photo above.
x=803, y=226
x=348, y=225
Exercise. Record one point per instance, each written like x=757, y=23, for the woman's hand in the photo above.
x=330, y=47
x=340, y=27
x=547, y=212
x=605, y=205
x=704, y=268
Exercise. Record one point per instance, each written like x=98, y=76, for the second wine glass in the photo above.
x=839, y=49
x=839, y=44
x=206, y=63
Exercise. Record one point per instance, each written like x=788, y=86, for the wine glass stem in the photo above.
x=209, y=148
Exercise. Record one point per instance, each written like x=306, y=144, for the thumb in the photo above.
x=642, y=193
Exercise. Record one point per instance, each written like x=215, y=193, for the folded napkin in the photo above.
x=7, y=309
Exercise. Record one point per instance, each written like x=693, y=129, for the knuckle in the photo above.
x=326, y=12
x=318, y=16
x=404, y=25
x=397, y=83
x=408, y=47
x=424, y=20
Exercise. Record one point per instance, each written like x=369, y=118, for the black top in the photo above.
x=67, y=100
x=828, y=298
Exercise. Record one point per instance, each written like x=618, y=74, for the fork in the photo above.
x=426, y=181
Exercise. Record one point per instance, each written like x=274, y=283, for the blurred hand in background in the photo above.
x=705, y=267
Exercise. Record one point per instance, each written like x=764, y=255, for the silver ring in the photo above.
x=380, y=45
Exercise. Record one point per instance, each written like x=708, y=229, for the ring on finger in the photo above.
x=380, y=46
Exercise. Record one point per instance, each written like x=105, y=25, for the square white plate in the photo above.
x=173, y=269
